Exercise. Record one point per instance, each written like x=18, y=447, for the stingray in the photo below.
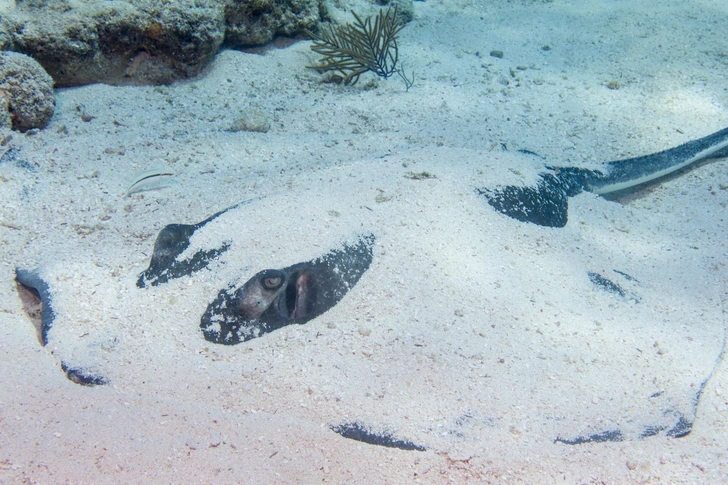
x=241, y=284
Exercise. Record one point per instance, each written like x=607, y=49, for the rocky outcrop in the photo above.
x=143, y=41
x=256, y=22
x=156, y=41
x=116, y=42
x=26, y=93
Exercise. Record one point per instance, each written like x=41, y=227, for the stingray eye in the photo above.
x=272, y=282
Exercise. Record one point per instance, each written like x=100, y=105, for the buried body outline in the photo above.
x=544, y=203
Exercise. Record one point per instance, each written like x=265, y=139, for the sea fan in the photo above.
x=353, y=49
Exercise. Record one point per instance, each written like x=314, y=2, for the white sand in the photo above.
x=416, y=347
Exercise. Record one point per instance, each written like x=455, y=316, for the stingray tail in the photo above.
x=546, y=203
x=632, y=172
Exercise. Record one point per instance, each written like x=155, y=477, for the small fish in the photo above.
x=149, y=179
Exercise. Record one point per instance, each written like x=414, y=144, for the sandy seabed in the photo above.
x=473, y=335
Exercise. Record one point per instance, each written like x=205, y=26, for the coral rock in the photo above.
x=26, y=92
x=116, y=42
x=143, y=41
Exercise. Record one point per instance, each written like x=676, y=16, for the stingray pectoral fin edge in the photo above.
x=35, y=294
x=546, y=204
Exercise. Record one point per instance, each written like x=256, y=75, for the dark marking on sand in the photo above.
x=358, y=432
x=603, y=437
x=606, y=284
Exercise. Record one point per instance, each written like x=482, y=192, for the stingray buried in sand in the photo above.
x=429, y=261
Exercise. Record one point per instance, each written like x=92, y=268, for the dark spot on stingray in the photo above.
x=650, y=431
x=33, y=292
x=78, y=376
x=683, y=427
x=628, y=277
x=605, y=284
x=603, y=437
x=172, y=241
x=419, y=175
x=274, y=298
x=358, y=432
